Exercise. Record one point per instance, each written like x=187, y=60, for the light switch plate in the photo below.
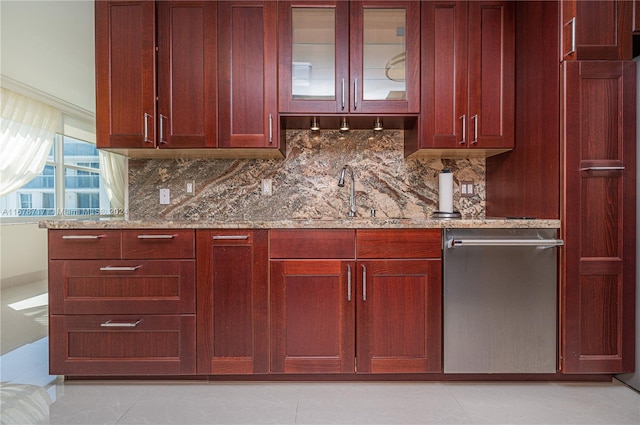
x=267, y=187
x=164, y=197
x=466, y=188
x=190, y=187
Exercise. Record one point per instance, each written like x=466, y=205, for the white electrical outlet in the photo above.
x=267, y=187
x=466, y=188
x=164, y=197
x=190, y=187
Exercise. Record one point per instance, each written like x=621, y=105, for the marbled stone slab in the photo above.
x=304, y=183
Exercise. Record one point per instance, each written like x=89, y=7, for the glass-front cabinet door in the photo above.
x=314, y=56
x=385, y=56
x=349, y=57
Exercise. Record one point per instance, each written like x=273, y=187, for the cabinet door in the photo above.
x=444, y=74
x=233, y=332
x=187, y=74
x=385, y=57
x=248, y=65
x=88, y=345
x=598, y=216
x=491, y=107
x=314, y=56
x=399, y=316
x=125, y=74
x=312, y=316
x=596, y=30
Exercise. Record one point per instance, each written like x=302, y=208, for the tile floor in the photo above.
x=137, y=402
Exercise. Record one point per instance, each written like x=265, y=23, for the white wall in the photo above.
x=23, y=252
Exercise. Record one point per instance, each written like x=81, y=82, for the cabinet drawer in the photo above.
x=158, y=243
x=84, y=244
x=122, y=345
x=316, y=243
x=121, y=287
x=399, y=243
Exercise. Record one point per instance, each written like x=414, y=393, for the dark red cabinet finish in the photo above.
x=248, y=66
x=233, y=317
x=129, y=78
x=349, y=69
x=596, y=29
x=468, y=75
x=377, y=313
x=598, y=216
x=122, y=302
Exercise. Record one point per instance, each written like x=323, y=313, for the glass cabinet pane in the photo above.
x=384, y=53
x=313, y=54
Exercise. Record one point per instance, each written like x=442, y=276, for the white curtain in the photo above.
x=113, y=168
x=27, y=131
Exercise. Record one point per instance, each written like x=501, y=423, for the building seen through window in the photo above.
x=69, y=185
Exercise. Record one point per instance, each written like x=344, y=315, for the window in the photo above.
x=69, y=185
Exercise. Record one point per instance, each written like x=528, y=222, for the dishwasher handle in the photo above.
x=543, y=243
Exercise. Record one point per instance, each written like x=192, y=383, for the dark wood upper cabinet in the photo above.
x=125, y=74
x=248, y=66
x=349, y=57
x=597, y=30
x=598, y=216
x=187, y=74
x=468, y=75
x=129, y=78
x=636, y=16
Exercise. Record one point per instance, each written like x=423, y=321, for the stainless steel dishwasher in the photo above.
x=500, y=292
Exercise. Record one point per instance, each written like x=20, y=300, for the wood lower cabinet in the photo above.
x=381, y=307
x=122, y=302
x=233, y=317
x=598, y=216
x=399, y=310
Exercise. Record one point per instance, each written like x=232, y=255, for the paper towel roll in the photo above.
x=445, y=191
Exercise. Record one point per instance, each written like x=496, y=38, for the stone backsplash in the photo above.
x=305, y=182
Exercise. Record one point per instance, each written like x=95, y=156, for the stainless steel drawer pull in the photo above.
x=602, y=169
x=348, y=283
x=157, y=236
x=572, y=50
x=458, y=243
x=110, y=324
x=464, y=129
x=230, y=237
x=364, y=283
x=83, y=236
x=119, y=268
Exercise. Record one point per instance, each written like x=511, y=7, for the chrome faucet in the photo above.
x=352, y=195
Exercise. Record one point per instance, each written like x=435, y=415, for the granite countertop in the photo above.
x=320, y=223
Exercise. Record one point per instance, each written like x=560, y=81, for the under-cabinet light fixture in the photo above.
x=377, y=126
x=344, y=125
x=315, y=125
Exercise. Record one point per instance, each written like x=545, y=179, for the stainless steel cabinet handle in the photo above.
x=119, y=268
x=146, y=128
x=343, y=97
x=161, y=135
x=572, y=22
x=475, y=129
x=110, y=324
x=270, y=129
x=364, y=283
x=230, y=237
x=348, y=283
x=355, y=94
x=602, y=169
x=83, y=236
x=157, y=236
x=464, y=129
